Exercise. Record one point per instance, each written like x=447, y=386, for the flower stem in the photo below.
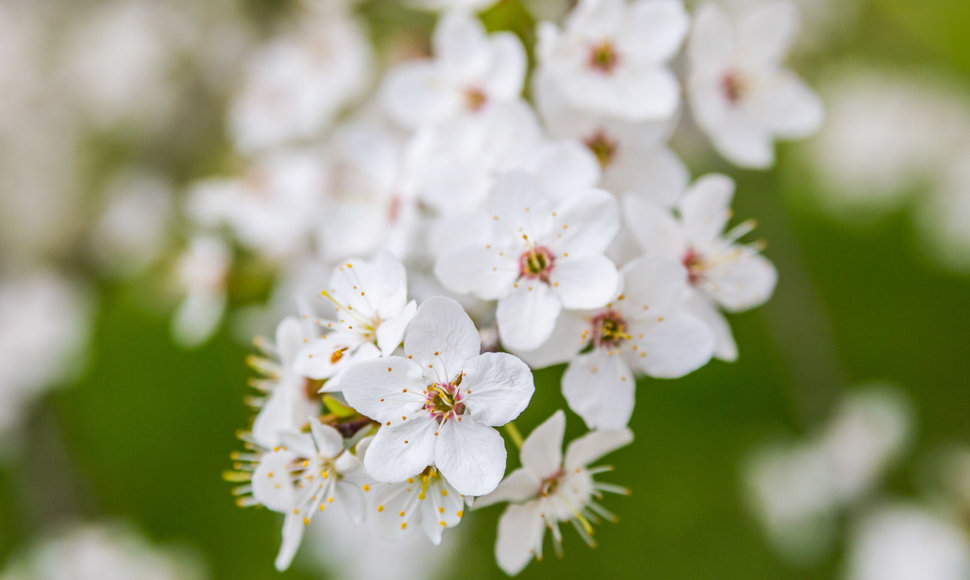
x=513, y=432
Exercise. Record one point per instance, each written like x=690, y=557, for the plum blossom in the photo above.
x=740, y=93
x=202, y=271
x=370, y=313
x=437, y=405
x=611, y=57
x=647, y=329
x=470, y=72
x=290, y=397
x=721, y=272
x=550, y=489
x=295, y=85
x=303, y=476
x=543, y=253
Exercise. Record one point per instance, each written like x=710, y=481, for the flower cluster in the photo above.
x=456, y=216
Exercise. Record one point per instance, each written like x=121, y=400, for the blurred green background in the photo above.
x=146, y=431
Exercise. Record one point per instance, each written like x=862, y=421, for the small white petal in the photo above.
x=706, y=207
x=674, y=347
x=470, y=455
x=590, y=447
x=498, y=388
x=485, y=272
x=600, y=389
x=520, y=485
x=527, y=316
x=520, y=531
x=390, y=332
x=400, y=451
x=541, y=452
x=585, y=282
x=741, y=280
x=766, y=34
x=272, y=485
x=385, y=389
x=441, y=337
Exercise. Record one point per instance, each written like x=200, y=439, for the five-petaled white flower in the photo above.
x=471, y=71
x=304, y=475
x=647, y=329
x=544, y=253
x=722, y=273
x=612, y=57
x=437, y=405
x=371, y=312
x=548, y=490
x=739, y=92
x=425, y=499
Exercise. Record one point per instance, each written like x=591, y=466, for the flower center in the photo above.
x=602, y=146
x=551, y=484
x=444, y=401
x=733, y=87
x=694, y=264
x=603, y=57
x=475, y=99
x=609, y=329
x=536, y=263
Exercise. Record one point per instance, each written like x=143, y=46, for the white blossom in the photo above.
x=611, y=57
x=202, y=271
x=722, y=273
x=544, y=252
x=437, y=405
x=550, y=489
x=471, y=71
x=740, y=93
x=370, y=311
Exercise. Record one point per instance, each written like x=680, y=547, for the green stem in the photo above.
x=513, y=432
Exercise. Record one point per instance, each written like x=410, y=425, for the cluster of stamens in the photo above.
x=733, y=87
x=603, y=57
x=444, y=401
x=536, y=263
x=602, y=146
x=609, y=329
x=475, y=99
x=694, y=264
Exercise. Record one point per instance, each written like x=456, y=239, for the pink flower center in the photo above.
x=602, y=146
x=536, y=263
x=609, y=329
x=694, y=264
x=475, y=99
x=444, y=401
x=733, y=87
x=603, y=57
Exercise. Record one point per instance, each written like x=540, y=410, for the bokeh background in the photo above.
x=141, y=431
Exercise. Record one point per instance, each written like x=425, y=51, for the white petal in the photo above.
x=470, y=455
x=590, y=447
x=520, y=531
x=352, y=500
x=527, y=316
x=382, y=394
x=600, y=389
x=541, y=452
x=569, y=337
x=743, y=141
x=520, y=485
x=566, y=167
x=652, y=285
x=711, y=43
x=412, y=95
x=460, y=43
x=787, y=106
x=587, y=222
x=506, y=72
x=487, y=272
x=328, y=440
x=597, y=17
x=400, y=451
x=292, y=537
x=655, y=30
x=442, y=337
x=272, y=485
x=741, y=280
x=679, y=344
x=725, y=348
x=520, y=205
x=706, y=207
x=654, y=227
x=656, y=173
x=289, y=339
x=390, y=333
x=584, y=282
x=498, y=388
x=766, y=34
x=326, y=356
